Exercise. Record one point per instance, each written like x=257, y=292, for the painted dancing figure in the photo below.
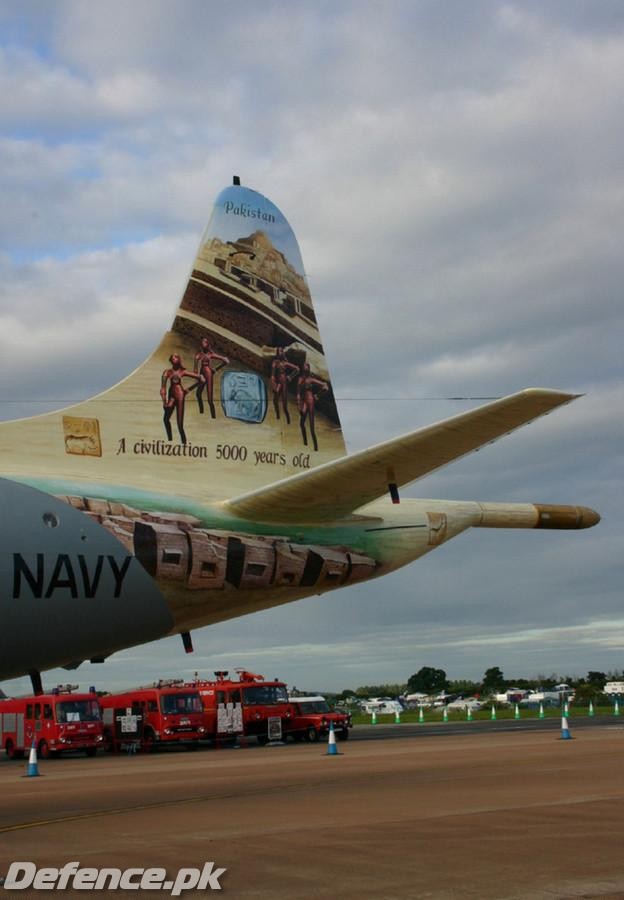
x=306, y=401
x=203, y=366
x=280, y=380
x=176, y=396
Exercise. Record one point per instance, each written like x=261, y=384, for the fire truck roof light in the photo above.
x=243, y=675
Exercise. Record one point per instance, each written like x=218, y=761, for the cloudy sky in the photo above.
x=483, y=143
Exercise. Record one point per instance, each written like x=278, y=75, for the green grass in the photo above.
x=432, y=716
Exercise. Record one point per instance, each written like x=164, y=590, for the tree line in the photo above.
x=429, y=680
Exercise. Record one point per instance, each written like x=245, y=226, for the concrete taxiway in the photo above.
x=492, y=815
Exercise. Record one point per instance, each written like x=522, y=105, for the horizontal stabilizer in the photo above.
x=337, y=488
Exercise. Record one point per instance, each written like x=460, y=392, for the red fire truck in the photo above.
x=57, y=722
x=171, y=713
x=249, y=705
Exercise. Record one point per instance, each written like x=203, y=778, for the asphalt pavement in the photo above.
x=414, y=729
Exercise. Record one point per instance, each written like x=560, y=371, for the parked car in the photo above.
x=383, y=706
x=467, y=703
x=312, y=717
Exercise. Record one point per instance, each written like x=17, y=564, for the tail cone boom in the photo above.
x=566, y=516
x=535, y=515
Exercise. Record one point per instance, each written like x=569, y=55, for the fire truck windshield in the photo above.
x=77, y=711
x=171, y=704
x=265, y=695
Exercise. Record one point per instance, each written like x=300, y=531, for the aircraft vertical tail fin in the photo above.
x=237, y=394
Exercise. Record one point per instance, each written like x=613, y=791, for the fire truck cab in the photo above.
x=170, y=712
x=312, y=718
x=249, y=705
x=56, y=723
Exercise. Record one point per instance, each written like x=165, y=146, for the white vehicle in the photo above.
x=511, y=695
x=548, y=698
x=414, y=701
x=442, y=699
x=468, y=703
x=382, y=706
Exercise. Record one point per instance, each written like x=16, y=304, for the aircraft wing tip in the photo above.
x=562, y=396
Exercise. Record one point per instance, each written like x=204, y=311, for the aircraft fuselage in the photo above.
x=71, y=590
